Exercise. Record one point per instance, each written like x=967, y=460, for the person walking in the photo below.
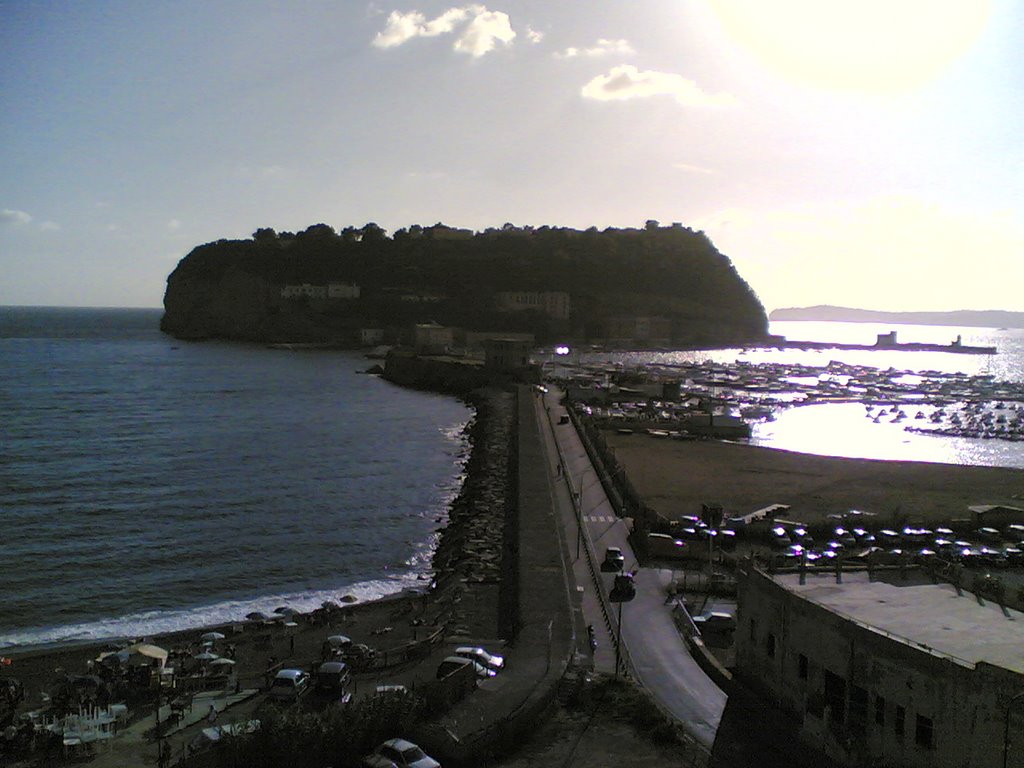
x=211, y=716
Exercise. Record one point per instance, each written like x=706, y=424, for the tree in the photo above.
x=265, y=236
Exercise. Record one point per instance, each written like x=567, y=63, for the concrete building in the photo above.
x=887, y=670
x=629, y=330
x=476, y=341
x=296, y=291
x=554, y=304
x=370, y=337
x=995, y=515
x=342, y=291
x=506, y=354
x=432, y=339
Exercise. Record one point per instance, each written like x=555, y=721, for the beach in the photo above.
x=462, y=600
x=676, y=477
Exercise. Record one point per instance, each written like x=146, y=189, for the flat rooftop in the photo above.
x=932, y=616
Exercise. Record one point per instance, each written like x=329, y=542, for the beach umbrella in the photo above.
x=148, y=650
x=212, y=636
x=206, y=656
x=222, y=662
x=256, y=616
x=339, y=641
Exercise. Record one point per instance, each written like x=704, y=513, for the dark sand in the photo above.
x=676, y=477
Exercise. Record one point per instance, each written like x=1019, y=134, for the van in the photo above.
x=333, y=677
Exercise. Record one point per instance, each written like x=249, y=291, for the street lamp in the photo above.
x=1006, y=728
x=579, y=510
x=623, y=590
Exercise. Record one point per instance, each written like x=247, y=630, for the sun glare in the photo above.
x=875, y=46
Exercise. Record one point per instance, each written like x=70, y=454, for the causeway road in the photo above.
x=653, y=650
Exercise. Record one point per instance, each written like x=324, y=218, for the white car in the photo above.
x=453, y=663
x=289, y=684
x=715, y=621
x=481, y=656
x=399, y=753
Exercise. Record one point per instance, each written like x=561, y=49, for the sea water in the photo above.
x=148, y=485
x=841, y=429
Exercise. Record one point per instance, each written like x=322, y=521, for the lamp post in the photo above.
x=1006, y=728
x=579, y=510
x=623, y=590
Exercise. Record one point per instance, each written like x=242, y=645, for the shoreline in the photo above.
x=375, y=622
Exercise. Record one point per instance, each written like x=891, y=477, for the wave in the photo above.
x=149, y=623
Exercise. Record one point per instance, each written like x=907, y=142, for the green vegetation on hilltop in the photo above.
x=232, y=288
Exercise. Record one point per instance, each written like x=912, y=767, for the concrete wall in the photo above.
x=845, y=660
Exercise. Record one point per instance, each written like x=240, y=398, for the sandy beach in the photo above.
x=676, y=477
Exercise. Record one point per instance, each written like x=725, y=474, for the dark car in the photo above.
x=614, y=561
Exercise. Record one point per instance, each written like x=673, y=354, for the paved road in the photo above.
x=659, y=658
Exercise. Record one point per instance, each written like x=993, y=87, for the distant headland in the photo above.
x=649, y=287
x=963, y=317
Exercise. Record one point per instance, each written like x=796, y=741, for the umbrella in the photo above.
x=149, y=651
x=222, y=662
x=339, y=641
x=257, y=616
x=211, y=636
x=206, y=656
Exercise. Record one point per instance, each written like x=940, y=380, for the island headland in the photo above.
x=649, y=287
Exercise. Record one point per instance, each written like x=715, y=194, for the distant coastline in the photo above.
x=992, y=318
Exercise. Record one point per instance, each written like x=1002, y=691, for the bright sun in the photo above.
x=868, y=45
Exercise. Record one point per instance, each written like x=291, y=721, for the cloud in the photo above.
x=533, y=35
x=482, y=32
x=174, y=225
x=627, y=82
x=8, y=216
x=49, y=226
x=261, y=171
x=603, y=47
x=478, y=28
x=689, y=168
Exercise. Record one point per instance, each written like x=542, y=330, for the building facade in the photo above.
x=296, y=291
x=554, y=304
x=878, y=672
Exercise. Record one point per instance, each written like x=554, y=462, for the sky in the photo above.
x=862, y=154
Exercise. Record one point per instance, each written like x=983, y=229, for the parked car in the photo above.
x=399, y=753
x=481, y=656
x=454, y=663
x=391, y=689
x=289, y=684
x=715, y=621
x=614, y=561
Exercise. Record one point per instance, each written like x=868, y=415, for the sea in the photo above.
x=151, y=485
